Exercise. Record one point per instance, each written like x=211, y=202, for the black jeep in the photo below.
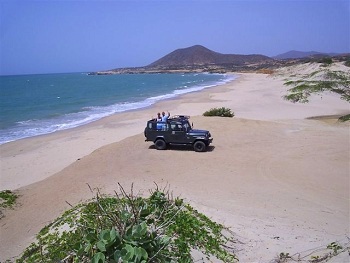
x=176, y=131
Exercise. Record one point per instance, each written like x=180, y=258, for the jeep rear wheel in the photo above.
x=160, y=144
x=199, y=146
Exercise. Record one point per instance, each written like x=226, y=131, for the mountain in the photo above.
x=199, y=56
x=302, y=54
x=198, y=59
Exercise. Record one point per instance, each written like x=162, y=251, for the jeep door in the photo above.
x=178, y=133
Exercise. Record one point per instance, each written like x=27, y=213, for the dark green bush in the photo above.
x=220, y=112
x=326, y=61
x=345, y=118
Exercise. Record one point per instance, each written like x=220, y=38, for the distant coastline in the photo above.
x=199, y=59
x=219, y=69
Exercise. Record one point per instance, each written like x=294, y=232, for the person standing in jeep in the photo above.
x=165, y=117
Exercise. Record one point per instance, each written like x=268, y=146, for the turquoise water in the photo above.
x=32, y=105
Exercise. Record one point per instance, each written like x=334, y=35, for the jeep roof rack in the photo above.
x=179, y=117
x=174, y=117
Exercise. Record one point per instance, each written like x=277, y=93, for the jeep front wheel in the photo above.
x=199, y=146
x=160, y=144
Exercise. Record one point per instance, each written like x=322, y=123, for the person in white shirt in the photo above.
x=165, y=117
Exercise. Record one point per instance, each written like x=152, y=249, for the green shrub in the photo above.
x=334, y=81
x=125, y=228
x=221, y=112
x=326, y=61
x=344, y=118
x=347, y=63
x=7, y=198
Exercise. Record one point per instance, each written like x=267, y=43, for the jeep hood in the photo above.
x=198, y=132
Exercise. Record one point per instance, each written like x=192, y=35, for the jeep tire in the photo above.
x=199, y=146
x=160, y=144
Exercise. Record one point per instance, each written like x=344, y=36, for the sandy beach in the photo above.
x=278, y=179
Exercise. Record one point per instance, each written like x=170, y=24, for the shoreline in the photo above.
x=134, y=120
x=114, y=108
x=268, y=176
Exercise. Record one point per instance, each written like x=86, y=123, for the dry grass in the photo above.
x=266, y=71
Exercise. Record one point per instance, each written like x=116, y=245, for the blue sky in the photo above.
x=82, y=36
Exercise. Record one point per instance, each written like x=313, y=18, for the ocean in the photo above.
x=32, y=105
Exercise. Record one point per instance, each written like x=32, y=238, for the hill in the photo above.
x=199, y=55
x=197, y=59
x=303, y=54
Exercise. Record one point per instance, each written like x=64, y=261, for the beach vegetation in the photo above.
x=326, y=61
x=318, y=255
x=283, y=257
x=335, y=247
x=344, y=118
x=347, y=63
x=129, y=228
x=7, y=199
x=220, y=112
x=318, y=82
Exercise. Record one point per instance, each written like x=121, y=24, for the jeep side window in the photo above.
x=187, y=126
x=176, y=127
x=173, y=125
